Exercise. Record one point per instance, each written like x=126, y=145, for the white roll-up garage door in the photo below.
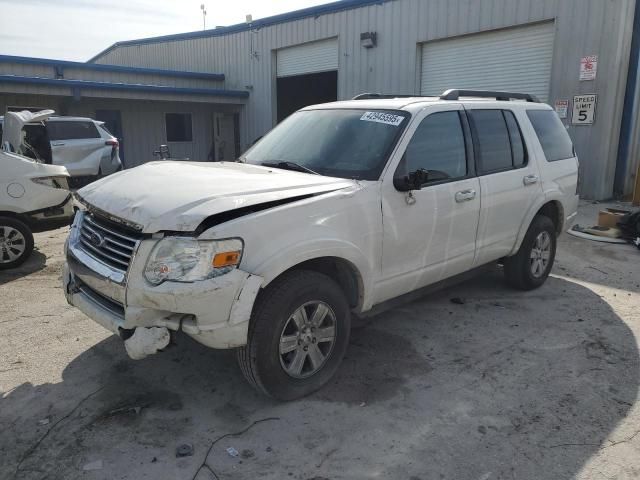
x=310, y=57
x=517, y=60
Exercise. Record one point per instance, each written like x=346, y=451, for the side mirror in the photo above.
x=413, y=181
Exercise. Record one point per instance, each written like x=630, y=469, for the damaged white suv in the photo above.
x=340, y=208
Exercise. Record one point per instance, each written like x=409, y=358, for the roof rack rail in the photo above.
x=373, y=96
x=455, y=94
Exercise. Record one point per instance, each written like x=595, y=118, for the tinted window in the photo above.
x=493, y=142
x=553, y=137
x=515, y=136
x=438, y=147
x=71, y=130
x=178, y=127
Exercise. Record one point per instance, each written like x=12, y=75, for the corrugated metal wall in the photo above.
x=583, y=27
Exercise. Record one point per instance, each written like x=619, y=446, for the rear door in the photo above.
x=509, y=179
x=430, y=233
x=77, y=145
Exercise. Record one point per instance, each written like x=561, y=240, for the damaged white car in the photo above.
x=339, y=209
x=33, y=196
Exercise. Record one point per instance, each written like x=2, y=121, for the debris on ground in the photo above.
x=184, y=450
x=91, y=466
x=246, y=453
x=44, y=421
x=458, y=300
x=126, y=409
x=588, y=233
x=232, y=452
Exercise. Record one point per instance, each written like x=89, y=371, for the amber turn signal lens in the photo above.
x=226, y=259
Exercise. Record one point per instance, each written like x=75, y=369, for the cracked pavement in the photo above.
x=507, y=385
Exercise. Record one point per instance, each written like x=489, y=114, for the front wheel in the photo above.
x=529, y=268
x=298, y=335
x=16, y=243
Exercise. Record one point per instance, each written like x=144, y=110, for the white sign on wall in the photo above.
x=588, y=67
x=562, y=108
x=584, y=109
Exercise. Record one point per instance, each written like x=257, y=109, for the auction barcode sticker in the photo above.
x=381, y=117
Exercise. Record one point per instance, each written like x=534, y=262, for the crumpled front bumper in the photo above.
x=214, y=312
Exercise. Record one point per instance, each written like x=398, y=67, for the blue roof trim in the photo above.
x=109, y=68
x=122, y=86
x=242, y=27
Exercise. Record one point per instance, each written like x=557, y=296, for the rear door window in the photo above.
x=492, y=138
x=72, y=130
x=498, y=140
x=554, y=139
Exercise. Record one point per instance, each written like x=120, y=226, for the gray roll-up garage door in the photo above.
x=310, y=57
x=516, y=59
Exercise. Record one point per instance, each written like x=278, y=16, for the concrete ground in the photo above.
x=508, y=385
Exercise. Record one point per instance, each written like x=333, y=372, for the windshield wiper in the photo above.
x=289, y=166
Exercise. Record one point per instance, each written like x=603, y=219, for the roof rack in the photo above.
x=373, y=96
x=455, y=94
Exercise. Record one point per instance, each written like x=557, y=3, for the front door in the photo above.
x=430, y=233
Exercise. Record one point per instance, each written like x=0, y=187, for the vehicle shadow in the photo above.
x=36, y=262
x=501, y=385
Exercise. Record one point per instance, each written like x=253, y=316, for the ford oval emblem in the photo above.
x=96, y=239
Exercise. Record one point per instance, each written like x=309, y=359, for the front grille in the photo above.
x=107, y=242
x=107, y=303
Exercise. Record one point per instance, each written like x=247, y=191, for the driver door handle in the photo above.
x=465, y=196
x=530, y=179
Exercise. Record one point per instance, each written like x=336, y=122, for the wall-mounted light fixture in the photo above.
x=369, y=39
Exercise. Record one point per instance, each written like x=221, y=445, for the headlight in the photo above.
x=180, y=259
x=52, y=182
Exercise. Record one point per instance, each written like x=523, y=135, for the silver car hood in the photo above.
x=179, y=196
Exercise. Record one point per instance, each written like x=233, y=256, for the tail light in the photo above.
x=112, y=143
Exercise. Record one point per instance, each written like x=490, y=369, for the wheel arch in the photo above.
x=551, y=208
x=343, y=271
x=17, y=216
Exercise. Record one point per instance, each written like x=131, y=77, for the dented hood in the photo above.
x=178, y=196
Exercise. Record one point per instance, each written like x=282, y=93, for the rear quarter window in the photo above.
x=71, y=130
x=554, y=139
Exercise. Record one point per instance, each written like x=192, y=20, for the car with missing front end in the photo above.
x=33, y=196
x=340, y=209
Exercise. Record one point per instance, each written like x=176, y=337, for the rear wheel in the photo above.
x=298, y=335
x=530, y=267
x=16, y=242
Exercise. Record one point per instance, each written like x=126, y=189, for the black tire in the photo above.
x=519, y=269
x=261, y=361
x=25, y=246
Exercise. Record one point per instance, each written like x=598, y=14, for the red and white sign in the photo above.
x=588, y=67
x=562, y=107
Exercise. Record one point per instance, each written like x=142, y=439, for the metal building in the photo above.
x=136, y=104
x=578, y=55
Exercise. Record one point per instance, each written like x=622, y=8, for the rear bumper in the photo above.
x=214, y=312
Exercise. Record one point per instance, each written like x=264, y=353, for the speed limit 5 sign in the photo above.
x=584, y=109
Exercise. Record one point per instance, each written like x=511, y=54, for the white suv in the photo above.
x=340, y=208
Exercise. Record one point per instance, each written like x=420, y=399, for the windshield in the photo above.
x=336, y=143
